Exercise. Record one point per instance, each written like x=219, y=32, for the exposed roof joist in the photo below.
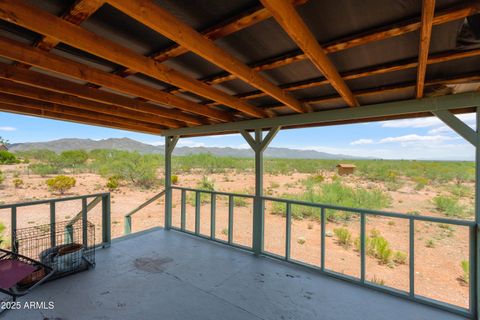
x=40, y=80
x=235, y=24
x=22, y=90
x=33, y=56
x=370, y=71
x=428, y=10
x=160, y=20
x=61, y=115
x=18, y=12
x=295, y=27
x=377, y=34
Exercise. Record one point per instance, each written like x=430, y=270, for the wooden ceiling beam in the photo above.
x=59, y=108
x=26, y=91
x=41, y=80
x=33, y=56
x=428, y=11
x=289, y=19
x=470, y=78
x=26, y=110
x=371, y=71
x=160, y=20
x=221, y=30
x=20, y=13
x=80, y=11
x=377, y=34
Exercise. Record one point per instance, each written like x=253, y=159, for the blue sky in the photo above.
x=425, y=138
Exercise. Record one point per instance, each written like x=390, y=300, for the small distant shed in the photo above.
x=345, y=168
x=3, y=147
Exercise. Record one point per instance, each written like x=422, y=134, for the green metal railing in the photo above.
x=322, y=208
x=103, y=198
x=128, y=217
x=213, y=208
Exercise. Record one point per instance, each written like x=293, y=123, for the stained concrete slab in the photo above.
x=170, y=275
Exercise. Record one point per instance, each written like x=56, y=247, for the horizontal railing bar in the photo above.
x=466, y=223
x=36, y=202
x=220, y=193
x=399, y=293
x=146, y=203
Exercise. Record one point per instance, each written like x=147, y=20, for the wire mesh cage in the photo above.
x=66, y=247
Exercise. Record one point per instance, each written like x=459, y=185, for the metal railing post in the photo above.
x=170, y=143
x=183, y=209
x=13, y=222
x=477, y=218
x=84, y=223
x=52, y=224
x=230, y=219
x=362, y=247
x=412, y=257
x=198, y=203
x=106, y=225
x=213, y=208
x=322, y=250
x=288, y=231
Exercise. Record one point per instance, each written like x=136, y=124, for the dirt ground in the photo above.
x=438, y=252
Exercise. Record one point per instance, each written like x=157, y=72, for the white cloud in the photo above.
x=361, y=141
x=416, y=138
x=8, y=129
x=468, y=118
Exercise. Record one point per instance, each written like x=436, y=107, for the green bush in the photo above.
x=334, y=193
x=112, y=183
x=400, y=257
x=61, y=183
x=44, y=169
x=421, y=182
x=2, y=177
x=239, y=201
x=344, y=237
x=2, y=239
x=72, y=158
x=382, y=249
x=17, y=183
x=465, y=264
x=141, y=170
x=450, y=206
x=8, y=157
x=174, y=179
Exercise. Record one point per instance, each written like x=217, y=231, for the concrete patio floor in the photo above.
x=170, y=275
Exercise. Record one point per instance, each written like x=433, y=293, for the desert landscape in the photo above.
x=441, y=189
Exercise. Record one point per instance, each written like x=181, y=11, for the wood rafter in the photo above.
x=80, y=11
x=40, y=80
x=160, y=20
x=378, y=34
x=22, y=90
x=295, y=27
x=33, y=56
x=225, y=28
x=428, y=11
x=472, y=78
x=27, y=110
x=56, y=107
x=371, y=71
x=18, y=12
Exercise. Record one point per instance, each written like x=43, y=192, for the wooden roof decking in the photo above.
x=151, y=66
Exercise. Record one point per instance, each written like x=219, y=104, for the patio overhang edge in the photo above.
x=360, y=114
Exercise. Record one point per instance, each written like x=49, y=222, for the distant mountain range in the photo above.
x=133, y=145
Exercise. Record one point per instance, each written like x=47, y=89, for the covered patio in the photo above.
x=169, y=275
x=196, y=68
